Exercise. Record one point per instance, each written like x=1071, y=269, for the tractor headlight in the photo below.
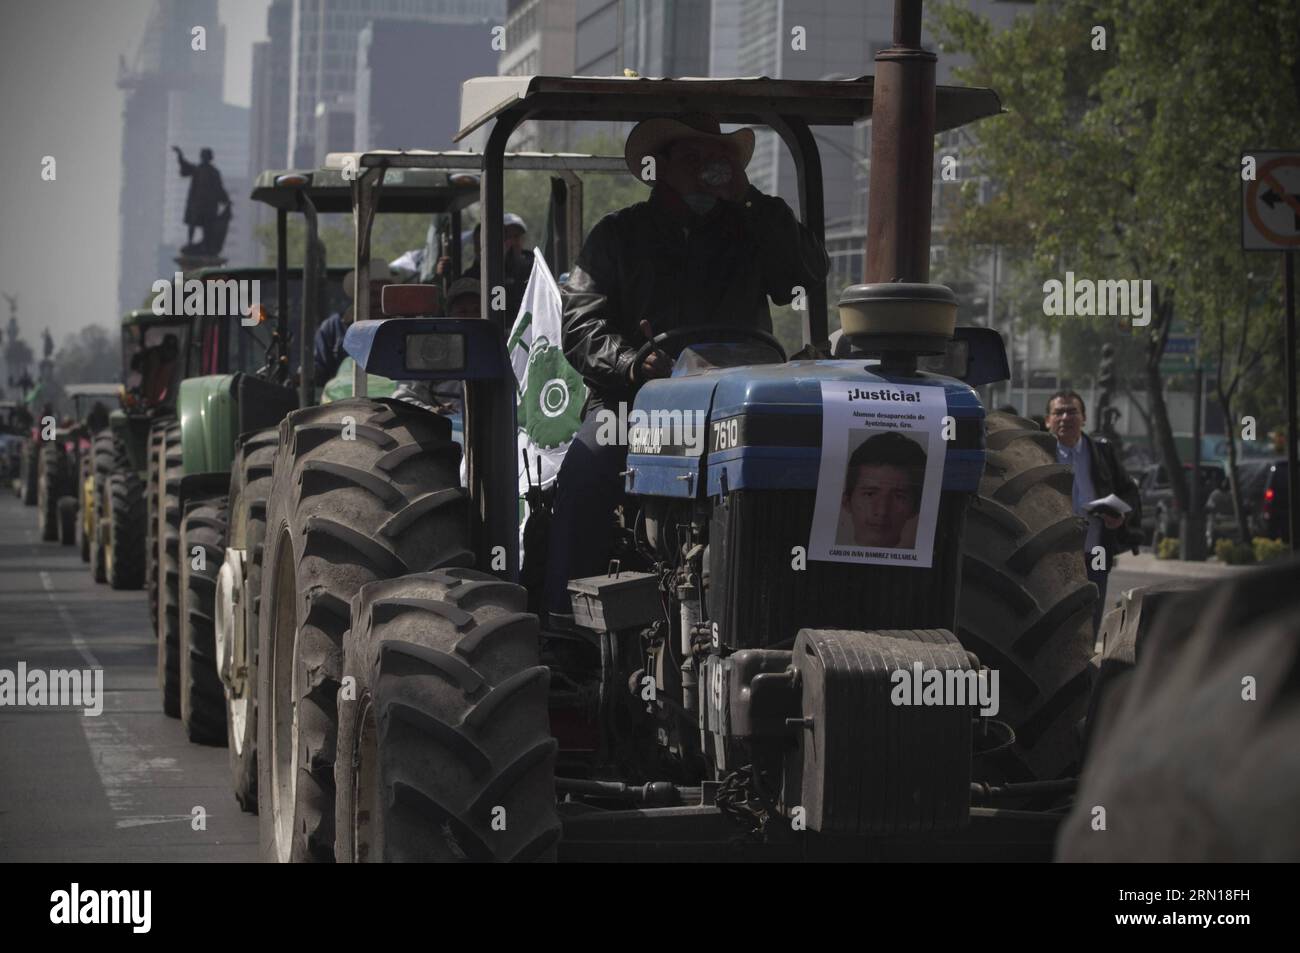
x=435, y=352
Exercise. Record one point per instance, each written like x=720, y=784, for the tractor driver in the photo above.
x=706, y=247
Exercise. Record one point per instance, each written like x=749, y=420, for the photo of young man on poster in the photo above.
x=882, y=491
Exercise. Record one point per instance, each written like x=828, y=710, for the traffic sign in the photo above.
x=1270, y=203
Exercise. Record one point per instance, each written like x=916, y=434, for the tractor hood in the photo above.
x=760, y=427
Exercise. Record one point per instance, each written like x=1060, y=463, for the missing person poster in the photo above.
x=881, y=473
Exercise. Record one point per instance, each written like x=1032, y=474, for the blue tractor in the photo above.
x=734, y=679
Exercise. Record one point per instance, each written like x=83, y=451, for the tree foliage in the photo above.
x=1124, y=162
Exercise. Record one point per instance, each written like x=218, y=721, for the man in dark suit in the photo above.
x=1097, y=473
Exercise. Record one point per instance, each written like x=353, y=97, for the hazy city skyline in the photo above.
x=59, y=73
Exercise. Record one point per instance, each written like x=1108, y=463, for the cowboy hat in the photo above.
x=651, y=135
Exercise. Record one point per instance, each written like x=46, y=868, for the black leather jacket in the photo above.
x=1109, y=476
x=657, y=261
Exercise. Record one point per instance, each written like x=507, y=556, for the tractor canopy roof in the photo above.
x=407, y=160
x=330, y=190
x=92, y=390
x=751, y=100
x=222, y=272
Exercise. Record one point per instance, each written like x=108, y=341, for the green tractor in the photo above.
x=220, y=463
x=62, y=480
x=735, y=692
x=237, y=365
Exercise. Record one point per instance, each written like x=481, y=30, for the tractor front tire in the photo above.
x=157, y=434
x=445, y=744
x=363, y=490
x=85, y=508
x=124, y=551
x=1026, y=604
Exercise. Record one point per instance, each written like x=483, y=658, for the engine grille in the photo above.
x=760, y=601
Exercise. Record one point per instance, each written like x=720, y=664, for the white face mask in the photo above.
x=701, y=203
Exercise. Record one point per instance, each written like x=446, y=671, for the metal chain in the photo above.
x=738, y=800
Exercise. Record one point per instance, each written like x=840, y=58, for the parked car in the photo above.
x=1160, y=512
x=1221, y=521
x=1272, y=519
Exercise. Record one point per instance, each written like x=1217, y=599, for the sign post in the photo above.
x=1271, y=222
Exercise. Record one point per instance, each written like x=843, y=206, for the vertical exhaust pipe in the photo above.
x=902, y=155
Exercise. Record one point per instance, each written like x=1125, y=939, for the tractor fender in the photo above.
x=208, y=415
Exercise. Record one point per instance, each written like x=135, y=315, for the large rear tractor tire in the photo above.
x=239, y=591
x=1026, y=603
x=203, y=550
x=169, y=571
x=52, y=484
x=124, y=549
x=67, y=520
x=101, y=470
x=445, y=746
x=363, y=490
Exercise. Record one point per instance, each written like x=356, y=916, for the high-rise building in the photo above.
x=408, y=82
x=173, y=97
x=810, y=39
x=539, y=42
x=724, y=38
x=653, y=37
x=323, y=62
x=269, y=95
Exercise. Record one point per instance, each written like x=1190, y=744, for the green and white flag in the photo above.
x=551, y=392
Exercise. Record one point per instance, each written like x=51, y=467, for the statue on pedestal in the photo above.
x=207, y=206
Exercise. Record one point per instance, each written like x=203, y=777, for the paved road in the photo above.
x=123, y=785
x=120, y=786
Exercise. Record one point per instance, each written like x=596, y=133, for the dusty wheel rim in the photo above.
x=284, y=683
x=228, y=629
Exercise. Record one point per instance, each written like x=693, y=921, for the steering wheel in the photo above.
x=677, y=339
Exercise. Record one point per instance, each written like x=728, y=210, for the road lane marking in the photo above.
x=68, y=624
x=123, y=767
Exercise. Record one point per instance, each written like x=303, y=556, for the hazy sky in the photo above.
x=58, y=69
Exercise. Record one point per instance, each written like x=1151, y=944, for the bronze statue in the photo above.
x=207, y=206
